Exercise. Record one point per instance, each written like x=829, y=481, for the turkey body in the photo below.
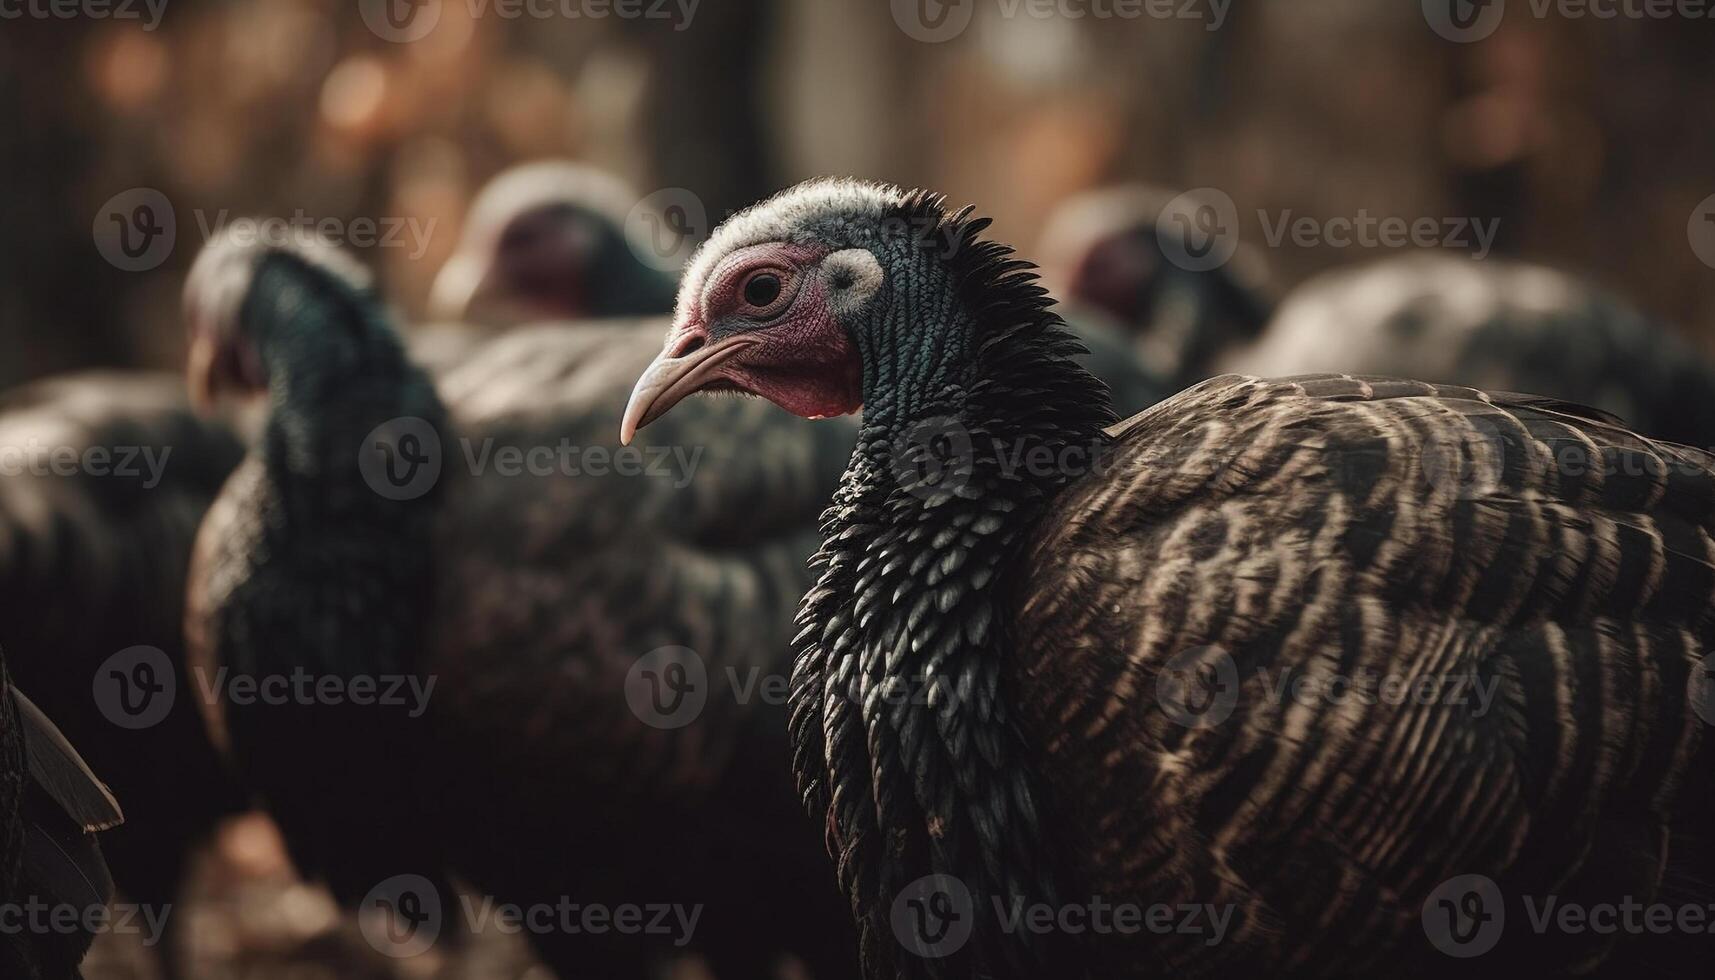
x=93, y=562
x=1126, y=645
x=1341, y=527
x=1493, y=325
x=519, y=592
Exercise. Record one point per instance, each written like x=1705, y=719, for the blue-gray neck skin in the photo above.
x=975, y=415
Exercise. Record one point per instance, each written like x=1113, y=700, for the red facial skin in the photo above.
x=802, y=358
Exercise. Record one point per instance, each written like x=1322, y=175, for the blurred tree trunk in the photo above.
x=703, y=120
x=60, y=303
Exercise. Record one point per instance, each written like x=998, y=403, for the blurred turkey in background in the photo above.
x=1585, y=142
x=1580, y=135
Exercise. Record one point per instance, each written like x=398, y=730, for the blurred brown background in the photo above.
x=1589, y=138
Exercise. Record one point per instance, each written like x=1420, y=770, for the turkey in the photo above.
x=1506, y=325
x=543, y=241
x=593, y=645
x=106, y=478
x=546, y=241
x=522, y=212
x=1103, y=251
x=51, y=870
x=1109, y=625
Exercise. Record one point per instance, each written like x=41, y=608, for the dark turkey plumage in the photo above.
x=527, y=597
x=107, y=477
x=1060, y=619
x=1497, y=325
x=53, y=881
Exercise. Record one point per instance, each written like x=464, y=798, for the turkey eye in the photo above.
x=762, y=289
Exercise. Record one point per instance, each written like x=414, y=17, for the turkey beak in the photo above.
x=668, y=379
